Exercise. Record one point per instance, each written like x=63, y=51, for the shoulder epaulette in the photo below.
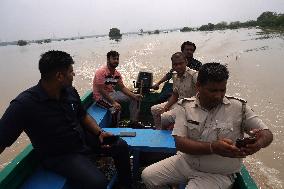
x=236, y=98
x=183, y=100
x=191, y=71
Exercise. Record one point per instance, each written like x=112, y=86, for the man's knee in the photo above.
x=122, y=143
x=167, y=119
x=154, y=110
x=121, y=147
x=147, y=175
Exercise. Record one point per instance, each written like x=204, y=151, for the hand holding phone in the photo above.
x=242, y=142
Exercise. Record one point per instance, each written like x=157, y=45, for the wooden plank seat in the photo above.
x=45, y=179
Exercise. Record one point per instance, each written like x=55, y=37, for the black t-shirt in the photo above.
x=53, y=126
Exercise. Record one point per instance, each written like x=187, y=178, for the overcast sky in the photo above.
x=37, y=19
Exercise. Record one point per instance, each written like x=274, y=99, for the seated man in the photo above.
x=184, y=80
x=106, y=79
x=187, y=48
x=206, y=129
x=60, y=130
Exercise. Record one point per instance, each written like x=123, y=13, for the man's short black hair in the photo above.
x=112, y=54
x=52, y=61
x=212, y=72
x=178, y=55
x=187, y=43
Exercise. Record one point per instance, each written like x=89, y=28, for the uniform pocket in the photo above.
x=224, y=129
x=193, y=130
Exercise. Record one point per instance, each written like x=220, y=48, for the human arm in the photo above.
x=103, y=84
x=264, y=137
x=11, y=124
x=127, y=92
x=222, y=147
x=106, y=96
x=254, y=126
x=91, y=125
x=2, y=149
x=166, y=77
x=162, y=80
x=191, y=145
x=173, y=99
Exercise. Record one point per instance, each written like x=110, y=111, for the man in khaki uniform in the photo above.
x=205, y=131
x=184, y=80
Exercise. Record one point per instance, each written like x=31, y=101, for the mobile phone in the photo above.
x=242, y=142
x=109, y=140
x=127, y=134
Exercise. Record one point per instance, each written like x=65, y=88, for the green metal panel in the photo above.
x=244, y=180
x=87, y=99
x=15, y=173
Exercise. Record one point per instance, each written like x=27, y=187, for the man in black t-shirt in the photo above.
x=61, y=131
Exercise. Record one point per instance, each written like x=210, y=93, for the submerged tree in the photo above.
x=47, y=40
x=114, y=33
x=22, y=43
x=186, y=29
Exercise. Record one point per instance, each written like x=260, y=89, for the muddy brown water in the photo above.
x=255, y=61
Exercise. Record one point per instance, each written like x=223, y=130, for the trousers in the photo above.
x=121, y=97
x=163, y=120
x=80, y=168
x=176, y=170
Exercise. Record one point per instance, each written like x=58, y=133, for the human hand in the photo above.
x=166, y=108
x=138, y=97
x=156, y=86
x=104, y=135
x=116, y=106
x=225, y=147
x=250, y=149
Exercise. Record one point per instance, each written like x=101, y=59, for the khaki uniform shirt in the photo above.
x=224, y=121
x=185, y=85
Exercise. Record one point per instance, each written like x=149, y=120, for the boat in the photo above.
x=26, y=165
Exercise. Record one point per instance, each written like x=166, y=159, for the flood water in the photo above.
x=255, y=61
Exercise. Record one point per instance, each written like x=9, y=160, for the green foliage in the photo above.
x=186, y=29
x=208, y=27
x=234, y=25
x=266, y=19
x=250, y=23
x=265, y=16
x=47, y=40
x=114, y=33
x=221, y=25
x=270, y=19
x=39, y=41
x=22, y=43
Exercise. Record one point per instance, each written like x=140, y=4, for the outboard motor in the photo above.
x=146, y=79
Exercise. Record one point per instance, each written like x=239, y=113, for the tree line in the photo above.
x=266, y=19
